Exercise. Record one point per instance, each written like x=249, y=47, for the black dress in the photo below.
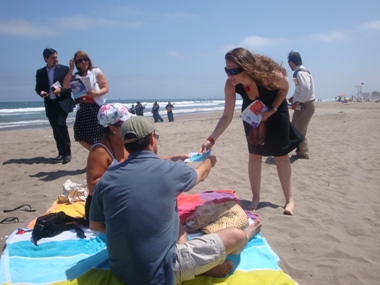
x=281, y=136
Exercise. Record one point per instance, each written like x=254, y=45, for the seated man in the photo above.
x=135, y=204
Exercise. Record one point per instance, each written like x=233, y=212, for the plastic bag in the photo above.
x=201, y=217
x=73, y=192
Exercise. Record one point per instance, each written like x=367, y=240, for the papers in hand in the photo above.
x=249, y=116
x=56, y=85
x=195, y=157
x=79, y=88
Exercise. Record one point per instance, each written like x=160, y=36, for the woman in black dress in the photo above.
x=256, y=77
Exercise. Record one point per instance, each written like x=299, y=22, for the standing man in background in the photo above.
x=302, y=101
x=169, y=109
x=58, y=101
x=139, y=109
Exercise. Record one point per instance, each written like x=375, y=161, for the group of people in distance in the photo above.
x=138, y=109
x=145, y=240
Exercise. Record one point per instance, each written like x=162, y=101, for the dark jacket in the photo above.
x=42, y=84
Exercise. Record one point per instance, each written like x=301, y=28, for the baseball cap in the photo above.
x=136, y=128
x=112, y=113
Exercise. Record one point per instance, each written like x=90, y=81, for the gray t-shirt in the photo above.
x=137, y=200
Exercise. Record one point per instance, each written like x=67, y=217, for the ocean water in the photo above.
x=32, y=114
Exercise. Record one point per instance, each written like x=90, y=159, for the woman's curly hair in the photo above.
x=260, y=68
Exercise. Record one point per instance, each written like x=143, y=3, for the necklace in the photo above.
x=111, y=146
x=248, y=88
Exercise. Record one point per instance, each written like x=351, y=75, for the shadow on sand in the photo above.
x=45, y=176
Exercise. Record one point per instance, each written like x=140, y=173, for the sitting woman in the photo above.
x=109, y=151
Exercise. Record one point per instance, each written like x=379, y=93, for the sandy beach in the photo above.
x=333, y=237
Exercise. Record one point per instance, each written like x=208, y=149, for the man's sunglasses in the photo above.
x=80, y=60
x=233, y=71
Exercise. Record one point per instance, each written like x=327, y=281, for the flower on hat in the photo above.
x=112, y=113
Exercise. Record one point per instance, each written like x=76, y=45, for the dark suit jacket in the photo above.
x=42, y=84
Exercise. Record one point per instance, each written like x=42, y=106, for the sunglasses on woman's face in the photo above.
x=233, y=71
x=80, y=60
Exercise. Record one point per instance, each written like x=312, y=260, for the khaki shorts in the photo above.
x=198, y=256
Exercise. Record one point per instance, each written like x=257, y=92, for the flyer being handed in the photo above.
x=195, y=157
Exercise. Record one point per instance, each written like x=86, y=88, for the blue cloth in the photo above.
x=137, y=200
x=66, y=260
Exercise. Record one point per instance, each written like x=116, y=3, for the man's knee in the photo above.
x=232, y=237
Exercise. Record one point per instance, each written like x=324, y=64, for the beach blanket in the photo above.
x=67, y=259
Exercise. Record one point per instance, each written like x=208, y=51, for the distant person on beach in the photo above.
x=132, y=109
x=169, y=109
x=139, y=109
x=58, y=101
x=256, y=77
x=87, y=130
x=140, y=220
x=156, y=115
x=302, y=101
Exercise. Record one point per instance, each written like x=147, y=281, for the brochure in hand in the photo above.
x=251, y=113
x=79, y=88
x=195, y=157
x=56, y=85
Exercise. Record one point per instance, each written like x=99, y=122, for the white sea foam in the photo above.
x=34, y=116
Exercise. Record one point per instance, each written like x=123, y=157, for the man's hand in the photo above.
x=212, y=159
x=44, y=94
x=57, y=91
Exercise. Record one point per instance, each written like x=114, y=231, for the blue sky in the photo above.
x=175, y=49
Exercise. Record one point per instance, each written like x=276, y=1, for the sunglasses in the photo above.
x=233, y=71
x=80, y=60
x=156, y=136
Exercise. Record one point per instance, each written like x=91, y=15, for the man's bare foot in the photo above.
x=289, y=209
x=220, y=270
x=253, y=205
x=253, y=229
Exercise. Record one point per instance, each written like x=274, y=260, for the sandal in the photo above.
x=9, y=220
x=21, y=208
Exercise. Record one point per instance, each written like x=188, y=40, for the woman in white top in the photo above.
x=87, y=130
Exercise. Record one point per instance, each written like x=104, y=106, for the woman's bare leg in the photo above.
x=284, y=171
x=254, y=173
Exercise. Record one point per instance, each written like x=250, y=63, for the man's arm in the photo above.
x=98, y=226
x=205, y=167
x=305, y=82
x=40, y=86
x=62, y=71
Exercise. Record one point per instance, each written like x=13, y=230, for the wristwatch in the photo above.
x=274, y=109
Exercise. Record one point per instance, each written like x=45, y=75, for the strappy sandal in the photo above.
x=9, y=220
x=21, y=208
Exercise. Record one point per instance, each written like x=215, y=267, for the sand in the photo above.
x=333, y=237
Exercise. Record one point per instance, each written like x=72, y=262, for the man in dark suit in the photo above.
x=58, y=101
